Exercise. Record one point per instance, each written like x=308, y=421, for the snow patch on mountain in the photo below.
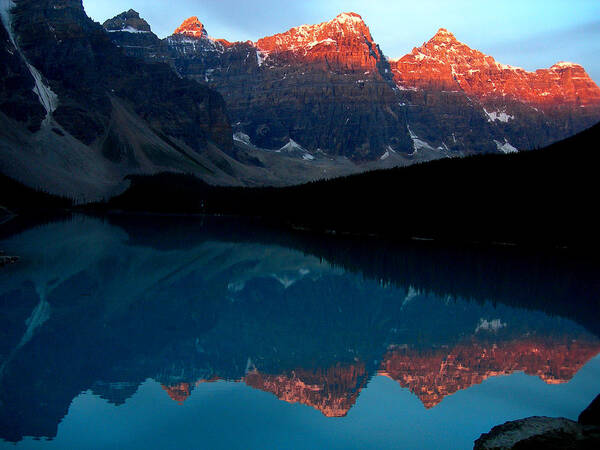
x=491, y=326
x=191, y=44
x=500, y=116
x=506, y=147
x=509, y=67
x=306, y=37
x=260, y=57
x=310, y=45
x=291, y=146
x=565, y=65
x=48, y=99
x=129, y=29
x=242, y=137
x=418, y=143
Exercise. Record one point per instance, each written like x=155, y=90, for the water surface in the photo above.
x=170, y=333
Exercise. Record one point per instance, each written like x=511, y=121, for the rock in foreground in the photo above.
x=545, y=433
x=591, y=416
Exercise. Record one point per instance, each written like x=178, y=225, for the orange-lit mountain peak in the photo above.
x=192, y=27
x=179, y=392
x=443, y=36
x=343, y=43
x=348, y=18
x=448, y=64
x=563, y=65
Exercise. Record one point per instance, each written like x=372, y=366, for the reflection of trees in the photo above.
x=549, y=281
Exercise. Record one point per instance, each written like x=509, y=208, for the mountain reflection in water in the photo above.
x=102, y=306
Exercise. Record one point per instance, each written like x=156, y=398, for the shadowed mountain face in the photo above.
x=329, y=88
x=77, y=115
x=103, y=307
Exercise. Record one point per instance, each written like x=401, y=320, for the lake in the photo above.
x=168, y=333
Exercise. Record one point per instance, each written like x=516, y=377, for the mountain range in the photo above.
x=329, y=88
x=82, y=106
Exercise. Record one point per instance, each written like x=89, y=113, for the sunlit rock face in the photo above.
x=192, y=27
x=446, y=63
x=433, y=374
x=316, y=85
x=329, y=88
x=345, y=43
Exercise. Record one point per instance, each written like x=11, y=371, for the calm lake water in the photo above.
x=172, y=333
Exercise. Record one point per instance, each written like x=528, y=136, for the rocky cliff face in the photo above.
x=319, y=97
x=319, y=86
x=446, y=63
x=18, y=99
x=329, y=88
x=135, y=37
x=105, y=115
x=83, y=66
x=344, y=44
x=529, y=109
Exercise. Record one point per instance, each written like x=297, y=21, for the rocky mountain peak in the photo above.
x=344, y=27
x=192, y=27
x=349, y=20
x=127, y=21
x=443, y=36
x=446, y=63
x=344, y=42
x=560, y=66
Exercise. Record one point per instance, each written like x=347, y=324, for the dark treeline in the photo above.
x=543, y=198
x=539, y=198
x=19, y=198
x=548, y=281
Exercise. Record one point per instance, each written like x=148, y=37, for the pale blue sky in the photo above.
x=526, y=33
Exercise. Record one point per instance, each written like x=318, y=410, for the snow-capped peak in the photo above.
x=443, y=35
x=345, y=28
x=348, y=18
x=566, y=65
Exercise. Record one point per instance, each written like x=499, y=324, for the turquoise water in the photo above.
x=172, y=333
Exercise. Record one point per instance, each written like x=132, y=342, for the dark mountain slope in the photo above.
x=77, y=115
x=83, y=66
x=540, y=197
